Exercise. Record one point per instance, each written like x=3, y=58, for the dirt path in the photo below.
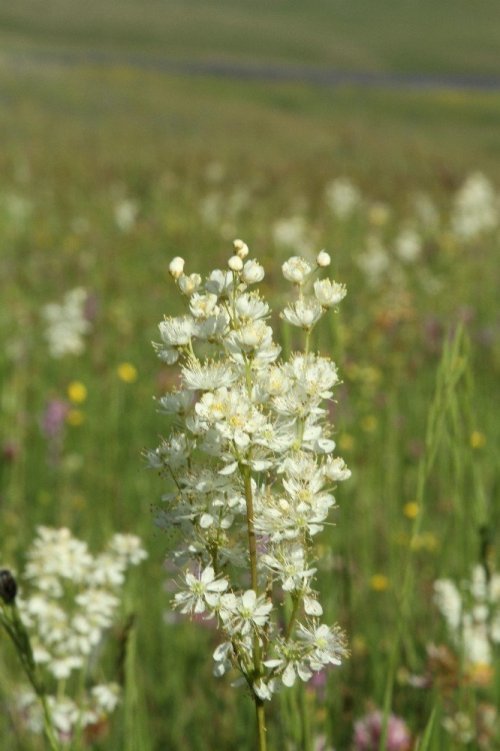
x=249, y=71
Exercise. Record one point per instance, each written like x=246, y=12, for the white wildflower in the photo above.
x=342, y=197
x=202, y=591
x=303, y=313
x=251, y=460
x=188, y=285
x=67, y=324
x=252, y=273
x=296, y=270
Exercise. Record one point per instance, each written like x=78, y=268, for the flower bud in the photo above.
x=235, y=263
x=8, y=587
x=253, y=272
x=323, y=259
x=240, y=248
x=176, y=267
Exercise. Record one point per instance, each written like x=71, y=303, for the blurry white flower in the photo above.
x=408, y=245
x=342, y=197
x=126, y=212
x=66, y=324
x=476, y=208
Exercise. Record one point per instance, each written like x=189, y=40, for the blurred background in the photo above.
x=132, y=132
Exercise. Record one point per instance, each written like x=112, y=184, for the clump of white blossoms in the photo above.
x=472, y=614
x=67, y=324
x=69, y=598
x=251, y=468
x=476, y=208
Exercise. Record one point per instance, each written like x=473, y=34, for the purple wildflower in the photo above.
x=53, y=418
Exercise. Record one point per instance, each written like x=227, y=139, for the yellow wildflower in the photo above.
x=127, y=372
x=358, y=645
x=379, y=582
x=75, y=417
x=346, y=442
x=369, y=423
x=411, y=509
x=424, y=541
x=477, y=439
x=77, y=392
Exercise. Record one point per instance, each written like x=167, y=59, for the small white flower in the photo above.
x=329, y=293
x=177, y=332
x=207, y=376
x=296, y=270
x=107, y=696
x=219, y=282
x=252, y=612
x=336, y=469
x=249, y=307
x=201, y=591
x=253, y=272
x=304, y=313
x=188, y=285
x=203, y=306
x=326, y=645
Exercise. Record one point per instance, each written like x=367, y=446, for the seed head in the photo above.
x=8, y=587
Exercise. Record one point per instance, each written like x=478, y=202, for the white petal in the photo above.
x=208, y=575
x=248, y=599
x=288, y=676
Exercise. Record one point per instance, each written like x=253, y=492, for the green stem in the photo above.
x=304, y=714
x=47, y=724
x=257, y=657
x=293, y=615
x=307, y=343
x=15, y=628
x=261, y=724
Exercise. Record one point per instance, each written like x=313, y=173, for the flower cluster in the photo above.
x=73, y=598
x=67, y=324
x=472, y=614
x=251, y=466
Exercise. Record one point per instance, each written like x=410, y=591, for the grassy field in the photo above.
x=451, y=36
x=107, y=171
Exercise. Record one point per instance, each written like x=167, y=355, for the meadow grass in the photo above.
x=416, y=413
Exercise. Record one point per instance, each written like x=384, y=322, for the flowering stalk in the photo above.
x=13, y=625
x=251, y=471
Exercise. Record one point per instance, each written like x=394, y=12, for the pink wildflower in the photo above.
x=368, y=730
